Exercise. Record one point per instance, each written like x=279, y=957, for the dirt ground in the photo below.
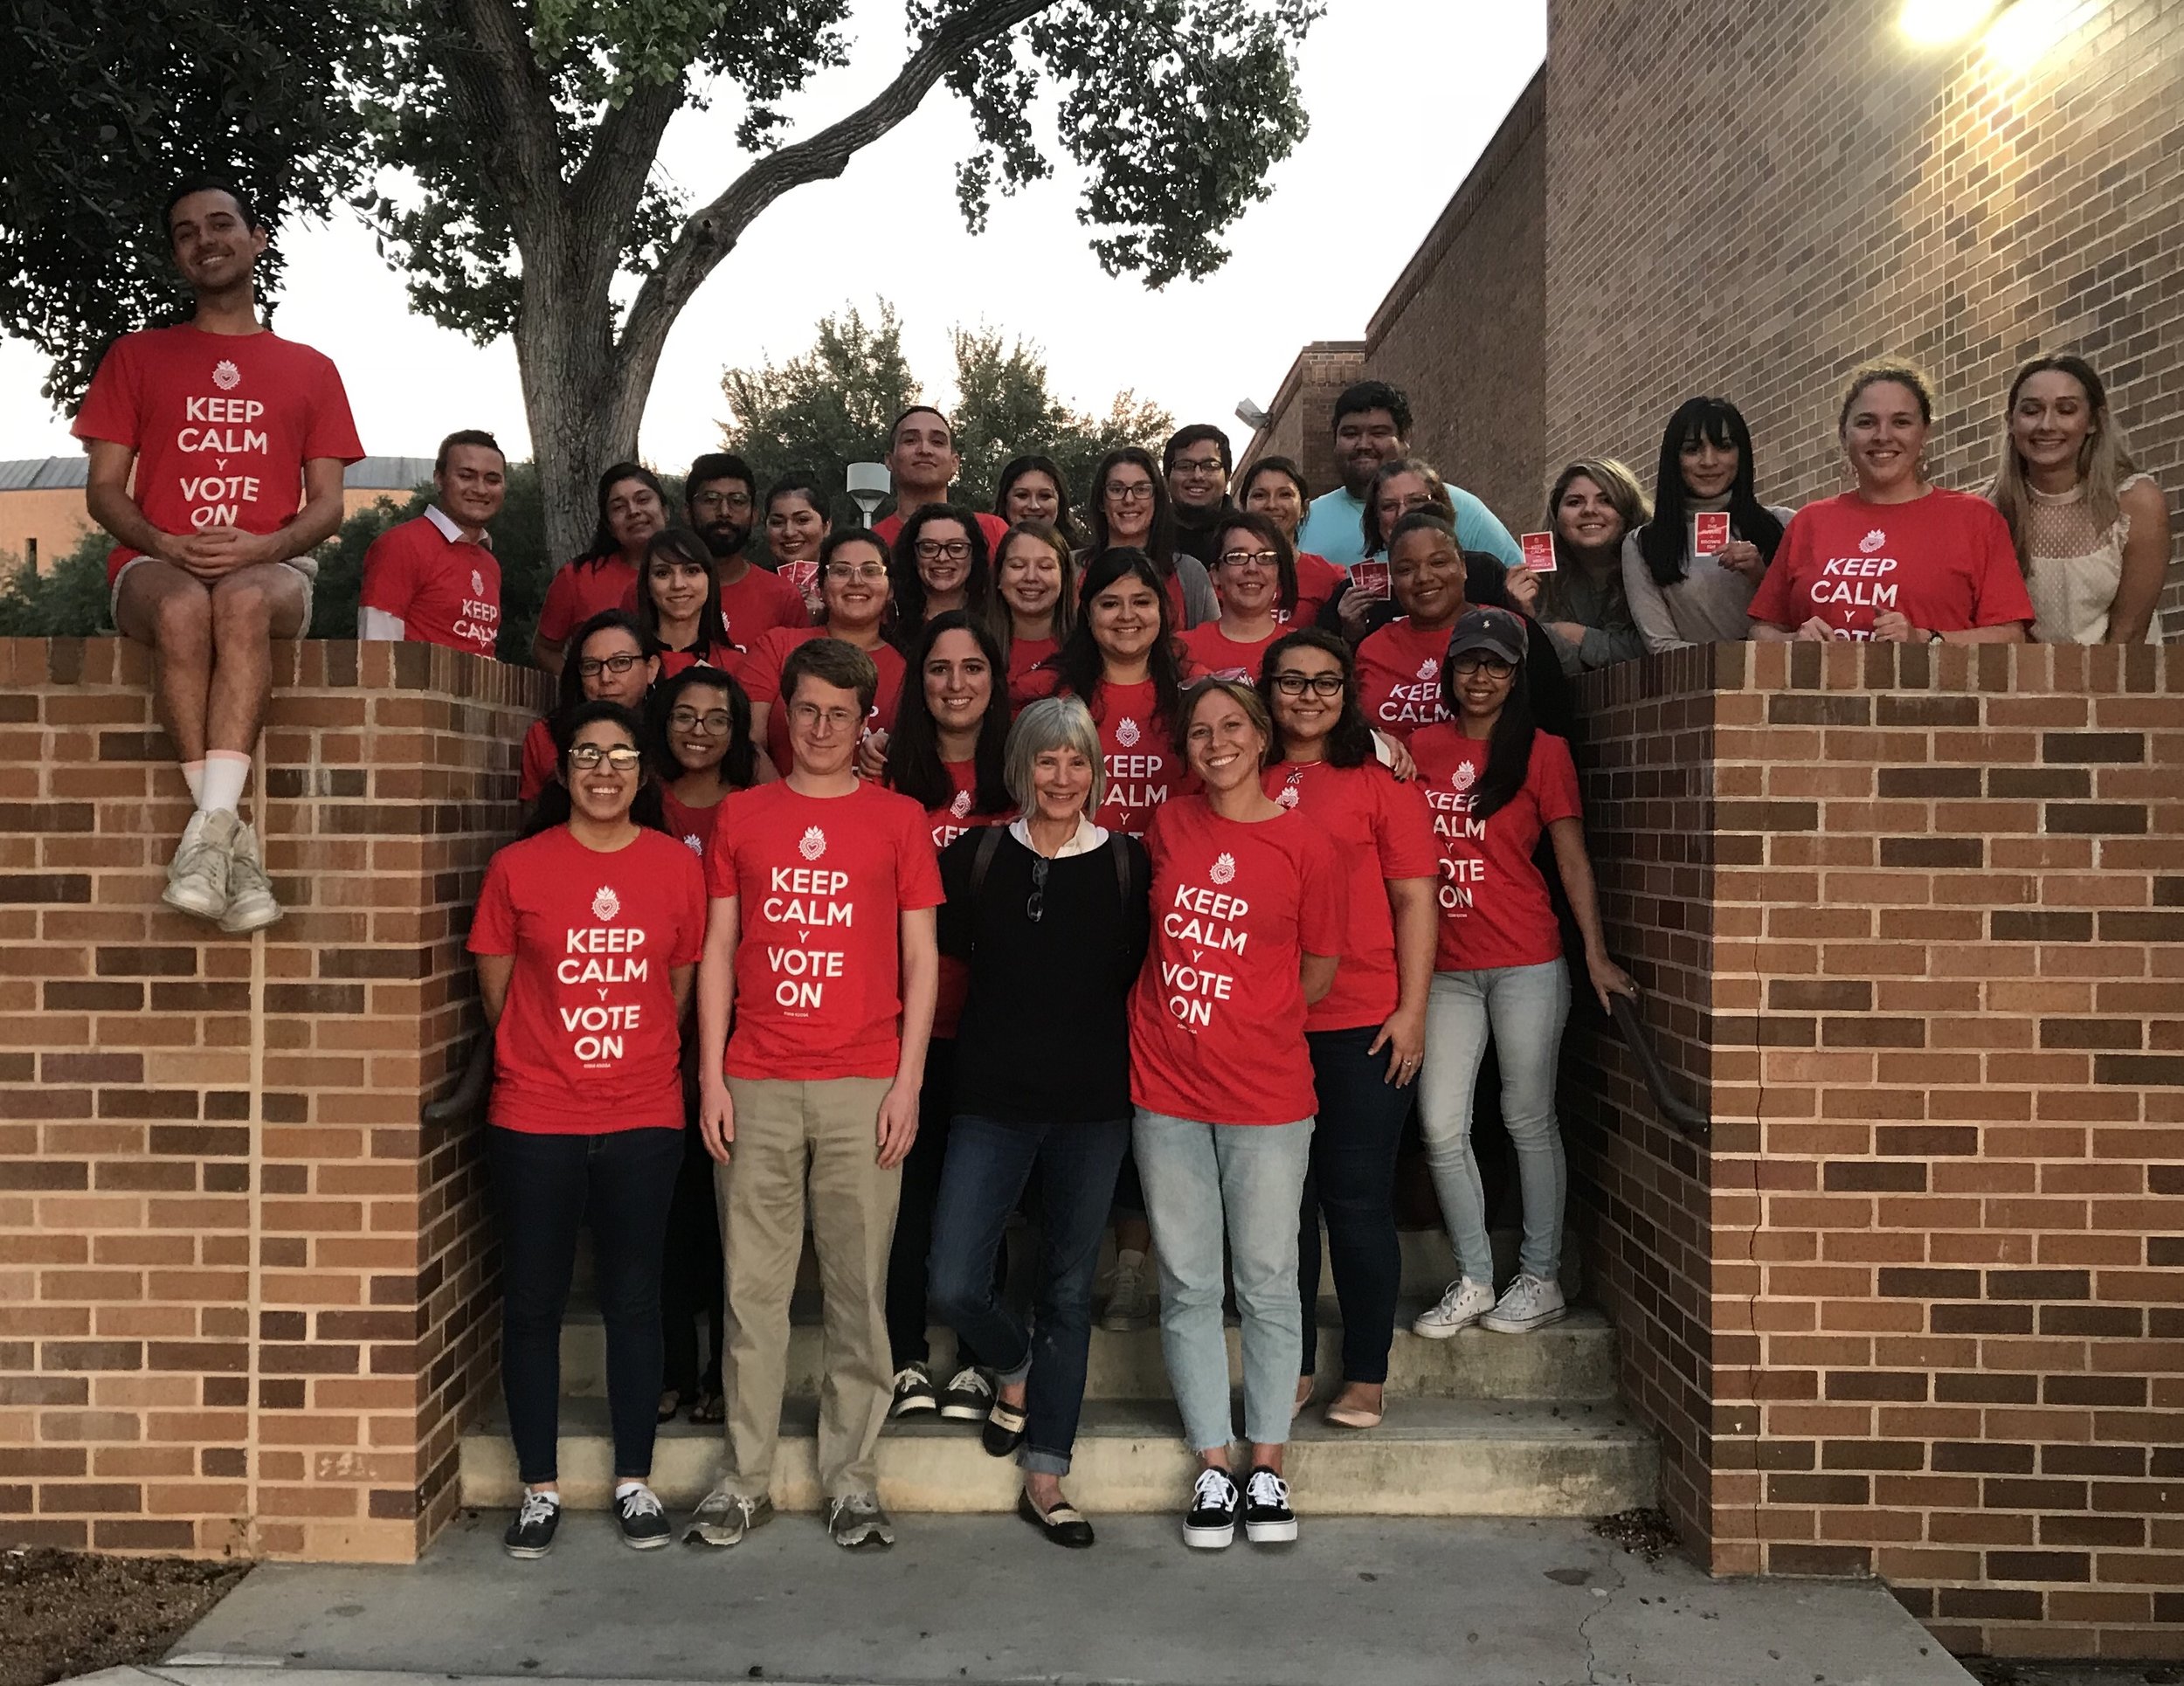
x=70, y=1613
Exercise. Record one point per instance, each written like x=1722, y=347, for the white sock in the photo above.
x=1127, y=1258
x=193, y=776
x=624, y=1488
x=221, y=785
x=533, y=1493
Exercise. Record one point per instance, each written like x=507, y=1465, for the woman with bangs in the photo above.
x=1678, y=594
x=797, y=527
x=1035, y=585
x=1595, y=503
x=1131, y=511
x=678, y=603
x=1254, y=576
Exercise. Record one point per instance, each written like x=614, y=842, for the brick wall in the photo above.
x=245, y=1304
x=1301, y=417
x=1914, y=922
x=1749, y=200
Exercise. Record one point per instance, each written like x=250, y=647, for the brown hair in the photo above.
x=1887, y=368
x=1238, y=691
x=831, y=662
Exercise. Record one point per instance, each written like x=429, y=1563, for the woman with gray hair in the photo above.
x=1051, y=916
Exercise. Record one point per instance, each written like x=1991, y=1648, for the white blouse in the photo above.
x=2076, y=566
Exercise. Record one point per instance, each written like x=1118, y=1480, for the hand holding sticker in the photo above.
x=1709, y=532
x=1539, y=552
x=1371, y=577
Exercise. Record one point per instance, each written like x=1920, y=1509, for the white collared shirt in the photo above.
x=449, y=530
x=1089, y=838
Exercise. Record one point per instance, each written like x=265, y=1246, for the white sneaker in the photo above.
x=196, y=877
x=251, y=906
x=1130, y=1298
x=1464, y=1304
x=1529, y=1303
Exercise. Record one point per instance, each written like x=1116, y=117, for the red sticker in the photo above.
x=1371, y=577
x=1709, y=532
x=1539, y=552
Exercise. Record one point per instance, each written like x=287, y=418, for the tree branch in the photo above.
x=623, y=149
x=712, y=233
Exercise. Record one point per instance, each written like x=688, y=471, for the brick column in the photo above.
x=244, y=1302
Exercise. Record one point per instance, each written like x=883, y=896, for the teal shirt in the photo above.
x=1334, y=527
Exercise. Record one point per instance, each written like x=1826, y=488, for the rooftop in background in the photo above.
x=372, y=474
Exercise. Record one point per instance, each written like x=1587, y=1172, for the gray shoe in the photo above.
x=251, y=906
x=723, y=1517
x=197, y=876
x=856, y=1520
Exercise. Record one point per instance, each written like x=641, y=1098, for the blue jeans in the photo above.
x=1245, y=1181
x=987, y=1166
x=1525, y=1008
x=1353, y=1182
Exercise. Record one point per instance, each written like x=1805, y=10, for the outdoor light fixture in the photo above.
x=1940, y=22
x=1251, y=415
x=867, y=482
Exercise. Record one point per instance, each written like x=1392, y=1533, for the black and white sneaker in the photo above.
x=913, y=1390
x=1268, y=1518
x=531, y=1535
x=638, y=1514
x=1211, y=1523
x=968, y=1396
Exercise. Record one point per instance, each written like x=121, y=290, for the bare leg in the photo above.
x=251, y=607
x=171, y=610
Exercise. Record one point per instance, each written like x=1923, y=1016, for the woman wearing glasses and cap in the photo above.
x=1494, y=784
x=586, y=936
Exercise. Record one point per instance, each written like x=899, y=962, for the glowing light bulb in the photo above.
x=2023, y=35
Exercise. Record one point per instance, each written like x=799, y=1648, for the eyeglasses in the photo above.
x=592, y=666
x=1198, y=466
x=1035, y=903
x=809, y=715
x=621, y=757
x=689, y=720
x=934, y=549
x=720, y=500
x=1249, y=559
x=1477, y=661
x=846, y=572
x=1317, y=684
x=1138, y=491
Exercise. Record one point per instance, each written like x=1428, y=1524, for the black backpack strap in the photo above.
x=1118, y=847
x=981, y=862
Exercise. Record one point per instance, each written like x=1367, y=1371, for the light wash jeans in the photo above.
x=1244, y=1180
x=1526, y=1008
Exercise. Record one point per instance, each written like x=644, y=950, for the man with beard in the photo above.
x=1196, y=464
x=1372, y=425
x=719, y=499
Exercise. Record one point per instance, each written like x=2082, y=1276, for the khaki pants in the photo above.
x=788, y=1135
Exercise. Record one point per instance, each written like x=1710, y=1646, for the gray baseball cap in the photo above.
x=1495, y=631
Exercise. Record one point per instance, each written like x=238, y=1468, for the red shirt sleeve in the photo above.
x=113, y=409
x=690, y=882
x=1402, y=828
x=557, y=616
x=760, y=673
x=493, y=924
x=333, y=430
x=720, y=854
x=540, y=761
x=1999, y=596
x=389, y=576
x=1553, y=779
x=1323, y=914
x=916, y=865
x=1770, y=602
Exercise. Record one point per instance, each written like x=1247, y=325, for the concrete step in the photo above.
x=1572, y=1360
x=1432, y=1457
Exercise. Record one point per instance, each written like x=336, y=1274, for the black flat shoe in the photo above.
x=1004, y=1430
x=1063, y=1524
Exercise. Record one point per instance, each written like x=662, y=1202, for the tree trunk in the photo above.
x=583, y=400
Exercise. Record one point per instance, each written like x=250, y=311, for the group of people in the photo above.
x=1144, y=866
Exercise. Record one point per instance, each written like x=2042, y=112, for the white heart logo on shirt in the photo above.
x=696, y=844
x=1873, y=540
x=1286, y=797
x=605, y=904
x=477, y=583
x=1429, y=669
x=961, y=806
x=1126, y=732
x=1466, y=776
x=226, y=375
x=813, y=844
x=1224, y=870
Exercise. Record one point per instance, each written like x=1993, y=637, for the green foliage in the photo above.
x=830, y=406
x=68, y=600
x=106, y=104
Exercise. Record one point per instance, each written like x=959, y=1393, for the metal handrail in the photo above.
x=1688, y=1119
x=461, y=1103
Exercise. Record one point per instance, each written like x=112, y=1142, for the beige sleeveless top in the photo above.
x=2076, y=566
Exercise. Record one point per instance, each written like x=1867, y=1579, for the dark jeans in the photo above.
x=1353, y=1182
x=908, y=1312
x=691, y=1281
x=545, y=1189
x=988, y=1164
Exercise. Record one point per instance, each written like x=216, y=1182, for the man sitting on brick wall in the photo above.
x=237, y=439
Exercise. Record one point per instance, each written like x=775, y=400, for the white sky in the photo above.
x=1403, y=95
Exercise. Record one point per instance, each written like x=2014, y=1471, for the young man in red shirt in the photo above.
x=237, y=439
x=719, y=498
x=434, y=580
x=823, y=889
x=922, y=458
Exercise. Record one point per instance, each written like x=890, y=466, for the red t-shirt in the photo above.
x=1212, y=654
x=760, y=676
x=1380, y=829
x=753, y=606
x=693, y=825
x=1143, y=768
x=1945, y=560
x=1318, y=583
x=588, y=1041
x=443, y=591
x=946, y=823
x=724, y=657
x=820, y=884
x=582, y=588
x=993, y=527
x=222, y=424
x=1027, y=680
x=1399, y=678
x=1217, y=1017
x=1495, y=910
x=541, y=762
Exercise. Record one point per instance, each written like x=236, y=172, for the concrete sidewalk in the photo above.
x=1480, y=1602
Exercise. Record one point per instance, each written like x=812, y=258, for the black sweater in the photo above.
x=1045, y=1033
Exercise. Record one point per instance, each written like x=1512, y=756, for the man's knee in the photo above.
x=242, y=602
x=180, y=622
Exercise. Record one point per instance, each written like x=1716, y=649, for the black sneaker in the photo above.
x=531, y=1535
x=1210, y=1523
x=968, y=1396
x=643, y=1522
x=913, y=1390
x=1268, y=1518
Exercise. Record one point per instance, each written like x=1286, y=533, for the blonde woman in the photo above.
x=1595, y=504
x=2091, y=532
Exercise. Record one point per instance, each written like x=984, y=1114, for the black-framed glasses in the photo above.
x=1249, y=559
x=1138, y=491
x=934, y=549
x=1317, y=684
x=1477, y=661
x=592, y=666
x=620, y=757
x=1035, y=903
x=689, y=720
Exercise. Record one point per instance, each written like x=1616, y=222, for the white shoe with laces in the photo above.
x=196, y=877
x=251, y=906
x=1529, y=1303
x=1464, y=1304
